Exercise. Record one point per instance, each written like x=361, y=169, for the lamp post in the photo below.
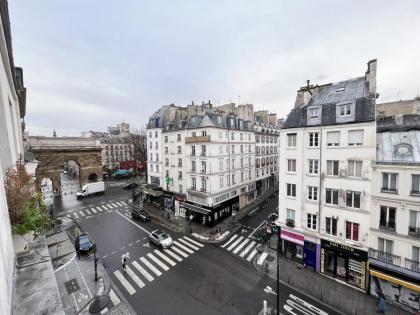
x=95, y=261
x=278, y=267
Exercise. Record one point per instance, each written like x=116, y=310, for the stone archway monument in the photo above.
x=53, y=152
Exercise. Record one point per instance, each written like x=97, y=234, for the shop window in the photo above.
x=332, y=168
x=291, y=190
x=352, y=231
x=387, y=219
x=331, y=196
x=331, y=226
x=353, y=199
x=355, y=168
x=311, y=221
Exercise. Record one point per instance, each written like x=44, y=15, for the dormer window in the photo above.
x=341, y=89
x=403, y=152
x=313, y=113
x=344, y=110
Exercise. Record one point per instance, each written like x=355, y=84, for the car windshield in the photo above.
x=163, y=236
x=84, y=239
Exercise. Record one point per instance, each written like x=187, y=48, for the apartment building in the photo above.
x=327, y=146
x=394, y=240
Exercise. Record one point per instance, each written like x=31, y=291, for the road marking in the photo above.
x=122, y=247
x=230, y=240
x=88, y=212
x=143, y=271
x=124, y=203
x=124, y=282
x=237, y=249
x=136, y=279
x=183, y=247
x=82, y=213
x=308, y=305
x=93, y=210
x=105, y=310
x=166, y=258
x=114, y=298
x=103, y=257
x=113, y=252
x=255, y=230
x=179, y=251
x=120, y=204
x=253, y=253
x=161, y=264
x=172, y=254
x=76, y=216
x=140, y=227
x=150, y=266
x=99, y=209
x=137, y=241
x=262, y=258
x=188, y=244
x=247, y=249
x=235, y=243
x=103, y=207
x=110, y=205
x=131, y=244
x=192, y=241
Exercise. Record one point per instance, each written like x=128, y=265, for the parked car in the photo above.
x=83, y=243
x=130, y=186
x=160, y=238
x=140, y=214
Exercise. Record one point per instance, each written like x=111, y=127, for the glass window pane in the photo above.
x=355, y=231
x=348, y=230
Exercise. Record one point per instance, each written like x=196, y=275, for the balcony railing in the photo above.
x=385, y=257
x=290, y=222
x=413, y=265
x=203, y=154
x=414, y=231
x=197, y=139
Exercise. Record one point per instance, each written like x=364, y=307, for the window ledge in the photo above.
x=290, y=197
x=393, y=192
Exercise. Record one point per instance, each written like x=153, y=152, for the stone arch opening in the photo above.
x=47, y=189
x=69, y=177
x=93, y=177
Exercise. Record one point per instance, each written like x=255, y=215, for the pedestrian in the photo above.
x=381, y=305
x=124, y=262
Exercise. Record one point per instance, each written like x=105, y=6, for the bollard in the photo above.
x=265, y=307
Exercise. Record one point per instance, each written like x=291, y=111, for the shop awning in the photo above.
x=195, y=208
x=392, y=279
x=151, y=192
x=292, y=237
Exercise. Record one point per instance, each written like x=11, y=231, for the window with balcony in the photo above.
x=291, y=190
x=178, y=137
x=242, y=177
x=415, y=184
x=258, y=163
x=262, y=150
x=352, y=231
x=179, y=162
x=291, y=140
x=193, y=183
x=355, y=137
x=203, y=150
x=312, y=193
x=313, y=139
x=414, y=224
x=179, y=150
x=221, y=181
x=249, y=148
x=311, y=221
x=290, y=220
x=353, y=199
x=203, y=167
x=313, y=167
x=166, y=139
x=242, y=148
x=166, y=162
x=332, y=168
x=180, y=175
x=166, y=150
x=193, y=150
x=389, y=182
x=331, y=226
x=355, y=168
x=387, y=218
x=385, y=246
x=257, y=139
x=331, y=196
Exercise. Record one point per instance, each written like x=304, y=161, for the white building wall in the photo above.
x=154, y=155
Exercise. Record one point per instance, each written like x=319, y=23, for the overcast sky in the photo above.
x=91, y=64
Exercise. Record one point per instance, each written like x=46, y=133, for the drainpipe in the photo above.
x=320, y=181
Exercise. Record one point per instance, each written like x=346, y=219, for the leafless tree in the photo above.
x=139, y=149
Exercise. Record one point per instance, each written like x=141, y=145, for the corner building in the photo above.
x=327, y=145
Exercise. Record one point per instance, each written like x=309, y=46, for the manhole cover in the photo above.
x=72, y=286
x=270, y=258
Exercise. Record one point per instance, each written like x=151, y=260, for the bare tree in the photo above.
x=139, y=149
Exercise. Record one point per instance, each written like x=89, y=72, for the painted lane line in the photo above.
x=103, y=257
x=114, y=298
x=183, y=247
x=131, y=244
x=256, y=229
x=262, y=258
x=76, y=216
x=150, y=266
x=124, y=282
x=192, y=241
x=113, y=252
x=179, y=251
x=137, y=241
x=167, y=251
x=230, y=240
x=99, y=209
x=165, y=258
x=88, y=212
x=82, y=213
x=253, y=253
x=124, y=203
x=93, y=210
x=157, y=261
x=298, y=307
x=188, y=244
x=247, y=249
x=140, y=227
x=308, y=305
x=143, y=271
x=136, y=279
x=235, y=243
x=237, y=249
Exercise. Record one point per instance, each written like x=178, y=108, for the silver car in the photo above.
x=161, y=238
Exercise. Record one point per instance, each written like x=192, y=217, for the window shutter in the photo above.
x=355, y=137
x=333, y=137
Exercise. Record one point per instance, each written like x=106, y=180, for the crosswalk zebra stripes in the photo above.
x=146, y=269
x=94, y=210
x=244, y=247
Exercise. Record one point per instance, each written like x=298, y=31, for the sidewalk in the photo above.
x=339, y=296
x=215, y=234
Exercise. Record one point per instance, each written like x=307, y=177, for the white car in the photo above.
x=160, y=238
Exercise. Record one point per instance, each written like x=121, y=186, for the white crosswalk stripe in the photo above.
x=188, y=244
x=81, y=213
x=143, y=271
x=110, y=205
x=262, y=258
x=135, y=278
x=192, y=241
x=99, y=209
x=237, y=249
x=93, y=210
x=167, y=251
x=253, y=253
x=119, y=204
x=114, y=298
x=246, y=250
x=124, y=203
x=106, y=207
x=165, y=258
x=158, y=262
x=88, y=212
x=150, y=266
x=75, y=215
x=230, y=240
x=235, y=243
x=103, y=207
x=174, y=248
x=124, y=282
x=183, y=247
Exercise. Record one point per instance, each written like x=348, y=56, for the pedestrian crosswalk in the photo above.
x=244, y=247
x=149, y=267
x=95, y=210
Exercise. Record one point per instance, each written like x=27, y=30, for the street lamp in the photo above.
x=95, y=261
x=278, y=267
x=191, y=218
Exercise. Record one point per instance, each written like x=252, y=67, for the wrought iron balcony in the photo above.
x=197, y=139
x=385, y=257
x=413, y=265
x=290, y=222
x=414, y=231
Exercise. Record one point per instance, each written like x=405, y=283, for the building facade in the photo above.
x=327, y=146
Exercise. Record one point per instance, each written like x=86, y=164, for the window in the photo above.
x=355, y=168
x=241, y=136
x=220, y=165
x=180, y=189
x=180, y=175
x=220, y=149
x=415, y=184
x=385, y=246
x=156, y=145
x=157, y=157
x=249, y=148
x=333, y=138
x=166, y=139
x=233, y=149
x=291, y=140
x=389, y=182
x=204, y=133
x=242, y=162
x=193, y=134
x=313, y=139
x=414, y=224
x=249, y=137
x=166, y=150
x=157, y=168
x=331, y=226
x=313, y=167
x=178, y=137
x=193, y=183
x=151, y=157
x=311, y=221
x=415, y=255
x=291, y=190
x=249, y=162
x=179, y=162
x=290, y=221
x=344, y=110
x=242, y=177
x=150, y=134
x=203, y=150
x=352, y=231
x=233, y=179
x=166, y=162
x=387, y=219
x=312, y=193
x=353, y=199
x=193, y=150
x=313, y=113
x=332, y=168
x=233, y=164
x=179, y=150
x=221, y=181
x=355, y=137
x=156, y=134
x=203, y=184
x=193, y=166
x=203, y=167
x=331, y=196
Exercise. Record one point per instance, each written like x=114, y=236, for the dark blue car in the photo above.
x=83, y=243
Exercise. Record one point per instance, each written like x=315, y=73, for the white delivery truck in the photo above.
x=90, y=189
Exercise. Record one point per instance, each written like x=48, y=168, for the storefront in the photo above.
x=344, y=262
x=311, y=254
x=292, y=245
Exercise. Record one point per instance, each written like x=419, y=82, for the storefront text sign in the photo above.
x=344, y=249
